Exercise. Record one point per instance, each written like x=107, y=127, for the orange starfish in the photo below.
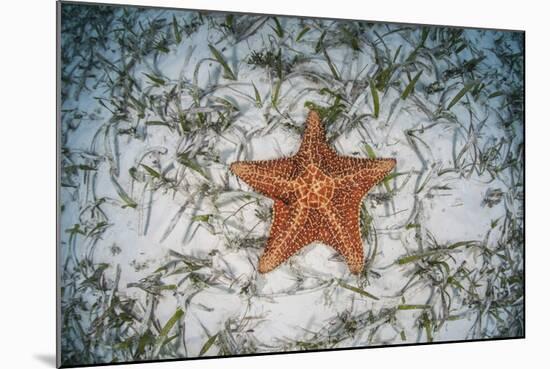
x=317, y=194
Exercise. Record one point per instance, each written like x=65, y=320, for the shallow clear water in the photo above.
x=160, y=242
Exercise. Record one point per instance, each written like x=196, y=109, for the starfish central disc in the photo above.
x=314, y=188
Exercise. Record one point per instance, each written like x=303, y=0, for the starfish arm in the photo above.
x=287, y=235
x=314, y=147
x=343, y=166
x=280, y=220
x=269, y=177
x=366, y=174
x=345, y=235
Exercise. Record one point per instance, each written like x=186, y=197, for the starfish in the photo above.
x=317, y=195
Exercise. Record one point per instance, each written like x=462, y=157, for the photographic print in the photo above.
x=243, y=184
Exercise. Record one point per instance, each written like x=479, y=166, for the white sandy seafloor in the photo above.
x=145, y=233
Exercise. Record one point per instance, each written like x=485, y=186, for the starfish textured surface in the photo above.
x=317, y=195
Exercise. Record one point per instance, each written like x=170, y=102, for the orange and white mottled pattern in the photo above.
x=317, y=194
